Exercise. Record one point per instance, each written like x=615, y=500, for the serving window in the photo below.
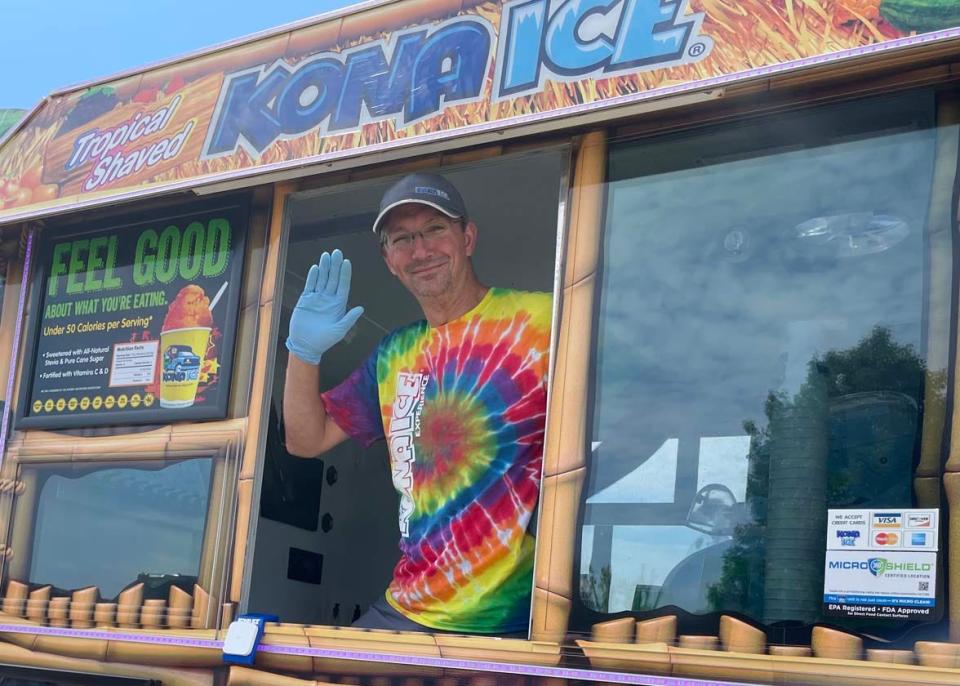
x=327, y=535
x=771, y=345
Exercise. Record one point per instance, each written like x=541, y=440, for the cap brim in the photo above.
x=386, y=210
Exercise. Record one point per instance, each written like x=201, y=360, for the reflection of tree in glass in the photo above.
x=863, y=403
x=595, y=588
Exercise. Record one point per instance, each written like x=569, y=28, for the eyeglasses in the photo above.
x=403, y=241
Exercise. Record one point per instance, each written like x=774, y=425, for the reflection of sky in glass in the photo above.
x=651, y=482
x=712, y=298
x=106, y=527
x=645, y=555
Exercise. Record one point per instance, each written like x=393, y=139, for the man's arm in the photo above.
x=319, y=321
x=310, y=431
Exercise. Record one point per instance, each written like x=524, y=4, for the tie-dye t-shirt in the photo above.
x=462, y=407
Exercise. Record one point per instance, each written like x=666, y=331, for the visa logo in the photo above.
x=887, y=520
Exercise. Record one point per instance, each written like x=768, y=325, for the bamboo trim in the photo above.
x=180, y=604
x=169, y=442
x=213, y=525
x=92, y=650
x=927, y=491
x=82, y=603
x=8, y=324
x=37, y=604
x=246, y=676
x=153, y=613
x=260, y=403
x=561, y=498
x=274, y=242
x=246, y=336
x=835, y=644
x=128, y=607
x=285, y=662
x=8, y=316
x=21, y=533
x=241, y=536
x=951, y=484
x=657, y=630
x=225, y=522
x=15, y=598
x=245, y=354
x=259, y=409
x=82, y=609
x=105, y=615
x=784, y=665
x=58, y=611
x=739, y=637
x=30, y=232
x=939, y=232
x=566, y=438
x=621, y=630
x=260, y=397
x=200, y=618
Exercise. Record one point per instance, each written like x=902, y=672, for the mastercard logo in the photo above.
x=885, y=538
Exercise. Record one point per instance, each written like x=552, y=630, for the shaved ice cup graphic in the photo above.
x=181, y=357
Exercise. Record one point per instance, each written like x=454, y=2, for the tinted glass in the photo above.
x=762, y=353
x=116, y=525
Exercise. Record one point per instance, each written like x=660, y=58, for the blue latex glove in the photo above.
x=320, y=320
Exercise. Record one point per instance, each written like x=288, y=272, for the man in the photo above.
x=460, y=398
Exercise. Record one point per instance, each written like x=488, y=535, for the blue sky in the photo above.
x=50, y=44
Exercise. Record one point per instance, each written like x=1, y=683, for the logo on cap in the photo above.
x=427, y=190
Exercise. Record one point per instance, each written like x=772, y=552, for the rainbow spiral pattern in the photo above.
x=462, y=407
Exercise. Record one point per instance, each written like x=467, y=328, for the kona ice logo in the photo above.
x=582, y=38
x=406, y=78
x=418, y=72
x=848, y=538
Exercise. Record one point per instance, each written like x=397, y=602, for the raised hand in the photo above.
x=320, y=320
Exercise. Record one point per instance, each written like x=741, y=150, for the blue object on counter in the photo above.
x=243, y=637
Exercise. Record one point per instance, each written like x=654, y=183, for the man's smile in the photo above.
x=422, y=270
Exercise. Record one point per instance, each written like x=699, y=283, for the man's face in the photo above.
x=428, y=251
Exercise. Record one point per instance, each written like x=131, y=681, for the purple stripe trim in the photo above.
x=11, y=377
x=416, y=660
x=183, y=641
x=491, y=126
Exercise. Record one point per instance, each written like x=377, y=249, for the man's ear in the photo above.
x=470, y=238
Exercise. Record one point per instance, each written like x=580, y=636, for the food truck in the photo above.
x=745, y=211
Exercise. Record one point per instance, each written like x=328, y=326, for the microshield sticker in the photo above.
x=881, y=563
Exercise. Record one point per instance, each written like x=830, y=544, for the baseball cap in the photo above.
x=424, y=188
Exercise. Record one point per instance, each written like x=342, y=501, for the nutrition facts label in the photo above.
x=134, y=364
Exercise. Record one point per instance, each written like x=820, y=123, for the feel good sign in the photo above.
x=136, y=319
